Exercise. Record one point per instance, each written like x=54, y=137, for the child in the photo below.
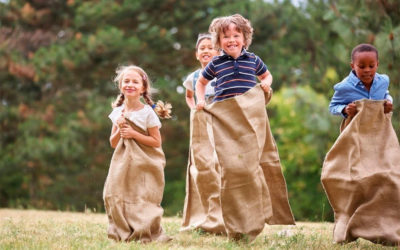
x=204, y=53
x=362, y=83
x=134, y=186
x=252, y=188
x=202, y=209
x=361, y=172
x=236, y=69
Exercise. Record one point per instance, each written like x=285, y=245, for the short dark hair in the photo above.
x=364, y=47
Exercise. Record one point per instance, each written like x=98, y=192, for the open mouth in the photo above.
x=232, y=46
x=206, y=57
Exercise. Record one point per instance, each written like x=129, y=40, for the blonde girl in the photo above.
x=135, y=183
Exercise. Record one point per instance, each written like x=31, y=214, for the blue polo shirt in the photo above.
x=352, y=89
x=234, y=76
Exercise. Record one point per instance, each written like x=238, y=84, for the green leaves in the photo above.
x=304, y=130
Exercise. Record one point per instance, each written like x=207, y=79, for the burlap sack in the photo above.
x=361, y=177
x=202, y=209
x=133, y=191
x=252, y=187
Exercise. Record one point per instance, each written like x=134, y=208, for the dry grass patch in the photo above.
x=32, y=229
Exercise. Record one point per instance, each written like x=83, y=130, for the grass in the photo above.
x=32, y=229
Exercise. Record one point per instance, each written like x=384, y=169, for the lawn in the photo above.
x=33, y=229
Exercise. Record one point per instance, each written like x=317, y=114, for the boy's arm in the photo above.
x=266, y=81
x=338, y=104
x=388, y=97
x=200, y=92
x=388, y=104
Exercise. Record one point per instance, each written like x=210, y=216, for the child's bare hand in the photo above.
x=351, y=109
x=121, y=121
x=200, y=105
x=127, y=132
x=265, y=87
x=387, y=107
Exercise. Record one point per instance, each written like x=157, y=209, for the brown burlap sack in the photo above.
x=133, y=191
x=202, y=207
x=252, y=187
x=361, y=177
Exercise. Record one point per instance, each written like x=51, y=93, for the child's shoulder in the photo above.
x=347, y=82
x=382, y=78
x=344, y=84
x=191, y=74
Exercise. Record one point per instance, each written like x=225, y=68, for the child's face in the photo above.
x=132, y=84
x=232, y=41
x=365, y=65
x=205, y=52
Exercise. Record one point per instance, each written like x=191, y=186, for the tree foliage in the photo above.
x=57, y=61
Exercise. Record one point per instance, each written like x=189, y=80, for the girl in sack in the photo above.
x=135, y=183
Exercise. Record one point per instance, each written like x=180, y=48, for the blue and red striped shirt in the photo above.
x=234, y=76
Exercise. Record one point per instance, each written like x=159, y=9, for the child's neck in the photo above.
x=133, y=104
x=367, y=86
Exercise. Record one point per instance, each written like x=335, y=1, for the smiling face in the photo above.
x=205, y=52
x=132, y=84
x=365, y=65
x=232, y=41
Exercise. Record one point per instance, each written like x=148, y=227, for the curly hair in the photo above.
x=161, y=109
x=220, y=25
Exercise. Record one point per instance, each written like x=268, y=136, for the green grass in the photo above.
x=32, y=229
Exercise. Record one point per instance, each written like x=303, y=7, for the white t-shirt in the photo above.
x=188, y=84
x=144, y=118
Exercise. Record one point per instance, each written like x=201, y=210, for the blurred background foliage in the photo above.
x=58, y=58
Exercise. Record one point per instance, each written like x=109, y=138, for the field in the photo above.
x=33, y=229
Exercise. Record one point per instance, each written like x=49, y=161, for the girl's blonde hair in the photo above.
x=161, y=109
x=220, y=25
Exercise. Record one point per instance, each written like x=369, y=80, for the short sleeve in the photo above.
x=209, y=71
x=115, y=114
x=188, y=83
x=261, y=68
x=152, y=119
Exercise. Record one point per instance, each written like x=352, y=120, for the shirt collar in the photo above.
x=353, y=78
x=243, y=54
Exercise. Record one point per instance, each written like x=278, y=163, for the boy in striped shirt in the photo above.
x=236, y=70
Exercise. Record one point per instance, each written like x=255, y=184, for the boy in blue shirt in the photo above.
x=362, y=83
x=236, y=69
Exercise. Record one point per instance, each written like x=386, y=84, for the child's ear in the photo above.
x=197, y=56
x=352, y=65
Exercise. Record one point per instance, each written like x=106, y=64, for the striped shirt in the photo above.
x=234, y=76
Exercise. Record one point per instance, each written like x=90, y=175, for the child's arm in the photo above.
x=350, y=110
x=190, y=99
x=266, y=81
x=151, y=140
x=388, y=106
x=200, y=92
x=115, y=136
